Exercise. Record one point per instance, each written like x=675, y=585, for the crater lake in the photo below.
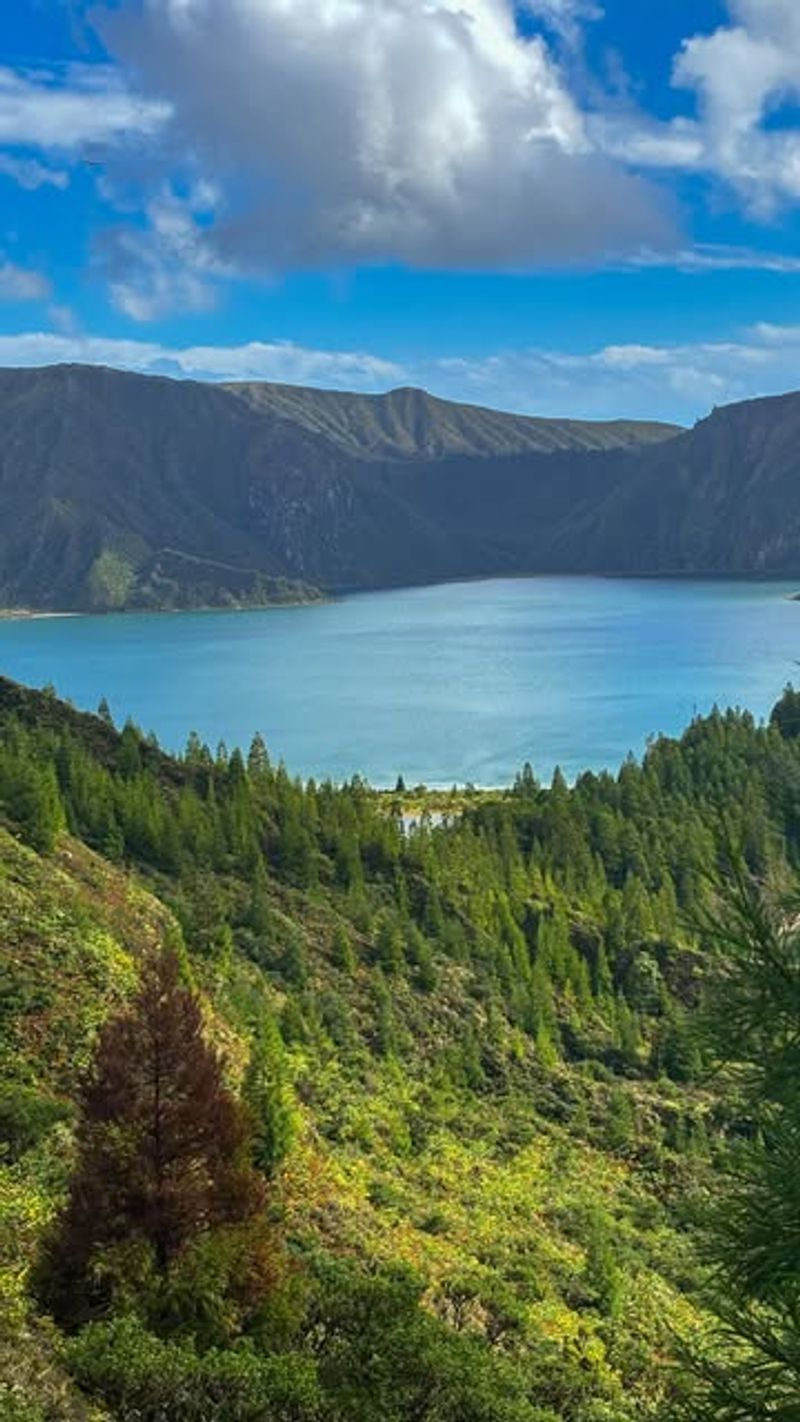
x=455, y=683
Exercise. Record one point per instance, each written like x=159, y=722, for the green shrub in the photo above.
x=145, y=1379
x=16, y=1408
x=26, y=1116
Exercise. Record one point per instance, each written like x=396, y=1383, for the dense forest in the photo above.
x=319, y=1103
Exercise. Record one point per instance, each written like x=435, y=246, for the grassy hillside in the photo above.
x=411, y=424
x=482, y=1040
x=127, y=491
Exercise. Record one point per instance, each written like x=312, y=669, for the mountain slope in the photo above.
x=411, y=424
x=723, y=497
x=480, y=1033
x=120, y=490
x=102, y=474
x=483, y=1037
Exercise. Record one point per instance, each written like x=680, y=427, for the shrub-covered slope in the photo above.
x=485, y=1112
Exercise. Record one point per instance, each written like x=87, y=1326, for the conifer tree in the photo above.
x=751, y=1371
x=268, y=1093
x=343, y=952
x=384, y=1030
x=36, y=805
x=389, y=946
x=258, y=757
x=163, y=1148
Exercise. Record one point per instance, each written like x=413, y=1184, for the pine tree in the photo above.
x=31, y=794
x=384, y=1031
x=342, y=951
x=294, y=961
x=259, y=916
x=751, y=1371
x=258, y=758
x=602, y=1272
x=129, y=754
x=268, y=1093
x=163, y=1148
x=389, y=946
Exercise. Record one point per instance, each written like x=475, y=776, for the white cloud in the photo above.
x=777, y=336
x=170, y=265
x=566, y=17
x=440, y=134
x=22, y=284
x=436, y=134
x=68, y=109
x=742, y=74
x=29, y=173
x=257, y=360
x=632, y=137
x=671, y=382
x=709, y=258
x=371, y=130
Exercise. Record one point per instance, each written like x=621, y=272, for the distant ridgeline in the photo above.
x=470, y=1065
x=126, y=491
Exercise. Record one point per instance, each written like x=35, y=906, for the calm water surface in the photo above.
x=461, y=683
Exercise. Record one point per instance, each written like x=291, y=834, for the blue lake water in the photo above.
x=455, y=683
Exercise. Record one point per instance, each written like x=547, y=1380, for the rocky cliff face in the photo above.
x=723, y=497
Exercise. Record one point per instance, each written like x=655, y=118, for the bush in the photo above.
x=145, y=1379
x=383, y=1358
x=16, y=1408
x=26, y=1115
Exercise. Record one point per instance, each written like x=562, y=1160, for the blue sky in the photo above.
x=559, y=206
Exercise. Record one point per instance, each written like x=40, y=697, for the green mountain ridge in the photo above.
x=120, y=491
x=408, y=423
x=102, y=471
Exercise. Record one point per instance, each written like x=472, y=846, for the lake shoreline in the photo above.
x=29, y=614
x=337, y=594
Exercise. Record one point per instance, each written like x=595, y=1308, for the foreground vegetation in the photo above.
x=484, y=1105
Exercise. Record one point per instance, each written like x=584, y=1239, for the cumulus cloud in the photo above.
x=438, y=134
x=66, y=109
x=446, y=133
x=745, y=79
x=743, y=73
x=370, y=130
